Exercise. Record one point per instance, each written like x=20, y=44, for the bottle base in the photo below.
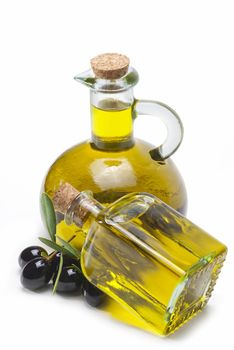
x=191, y=297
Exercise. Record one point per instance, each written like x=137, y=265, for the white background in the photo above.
x=183, y=51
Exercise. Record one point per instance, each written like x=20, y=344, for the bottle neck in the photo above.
x=81, y=208
x=111, y=117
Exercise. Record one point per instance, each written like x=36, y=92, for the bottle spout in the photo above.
x=110, y=72
x=87, y=78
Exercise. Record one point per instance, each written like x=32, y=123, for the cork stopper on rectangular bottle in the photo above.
x=64, y=196
x=64, y=201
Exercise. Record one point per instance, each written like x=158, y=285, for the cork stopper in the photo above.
x=63, y=202
x=63, y=197
x=110, y=65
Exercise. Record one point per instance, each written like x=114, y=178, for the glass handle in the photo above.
x=172, y=122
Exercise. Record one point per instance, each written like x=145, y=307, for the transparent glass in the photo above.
x=149, y=258
x=114, y=163
x=117, y=95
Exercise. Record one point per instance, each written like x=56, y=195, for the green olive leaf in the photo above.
x=71, y=249
x=56, y=247
x=58, y=274
x=48, y=214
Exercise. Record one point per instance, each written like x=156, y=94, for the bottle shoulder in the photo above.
x=137, y=160
x=88, y=149
x=113, y=174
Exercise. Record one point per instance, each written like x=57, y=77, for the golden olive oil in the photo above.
x=113, y=122
x=113, y=163
x=165, y=279
x=110, y=174
x=156, y=263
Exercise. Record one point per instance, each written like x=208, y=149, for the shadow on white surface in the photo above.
x=190, y=328
x=123, y=319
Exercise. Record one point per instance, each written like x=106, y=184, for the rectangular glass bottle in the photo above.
x=148, y=257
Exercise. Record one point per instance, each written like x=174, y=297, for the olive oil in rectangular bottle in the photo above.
x=153, y=261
